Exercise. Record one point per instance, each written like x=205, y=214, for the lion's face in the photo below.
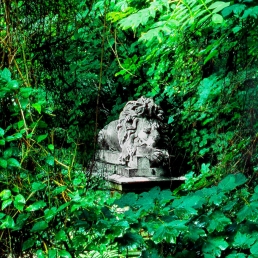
x=147, y=133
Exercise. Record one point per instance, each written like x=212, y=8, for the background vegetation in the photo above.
x=68, y=67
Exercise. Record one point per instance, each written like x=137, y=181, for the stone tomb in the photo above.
x=130, y=155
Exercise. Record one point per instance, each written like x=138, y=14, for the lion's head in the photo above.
x=140, y=125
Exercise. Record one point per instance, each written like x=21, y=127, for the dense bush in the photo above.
x=68, y=67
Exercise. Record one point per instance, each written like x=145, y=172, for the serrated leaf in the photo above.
x=39, y=226
x=37, y=106
x=41, y=137
x=8, y=222
x=13, y=162
x=36, y=206
x=28, y=243
x=214, y=246
x=3, y=163
x=230, y=182
x=218, y=221
x=5, y=194
x=19, y=202
x=243, y=241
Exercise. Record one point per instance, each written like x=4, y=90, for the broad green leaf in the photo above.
x=52, y=253
x=64, y=253
x=13, y=85
x=7, y=222
x=28, y=243
x=37, y=186
x=50, y=213
x=1, y=132
x=170, y=120
x=2, y=142
x=3, y=163
x=217, y=18
x=42, y=137
x=6, y=74
x=61, y=235
x=37, y=106
x=5, y=194
x=51, y=147
x=26, y=92
x=39, y=226
x=36, y=206
x=13, y=162
x=21, y=220
x=50, y=160
x=40, y=254
x=20, y=124
x=19, y=202
x=254, y=248
x=58, y=190
x=218, y=6
x=2, y=215
x=8, y=153
x=230, y=182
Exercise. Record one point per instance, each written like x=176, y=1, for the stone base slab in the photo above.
x=141, y=184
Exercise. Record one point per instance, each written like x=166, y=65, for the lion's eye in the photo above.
x=147, y=130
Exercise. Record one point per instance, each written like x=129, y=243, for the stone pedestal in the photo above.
x=139, y=177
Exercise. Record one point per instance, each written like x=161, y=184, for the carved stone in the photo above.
x=134, y=144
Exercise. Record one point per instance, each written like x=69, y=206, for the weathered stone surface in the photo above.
x=140, y=125
x=133, y=145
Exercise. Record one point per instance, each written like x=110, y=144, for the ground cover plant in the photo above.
x=68, y=68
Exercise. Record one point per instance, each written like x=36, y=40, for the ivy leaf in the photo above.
x=6, y=74
x=5, y=194
x=37, y=186
x=50, y=213
x=13, y=162
x=42, y=137
x=28, y=243
x=64, y=253
x=1, y=132
x=50, y=160
x=249, y=212
x=36, y=206
x=8, y=222
x=39, y=226
x=3, y=163
x=51, y=147
x=19, y=202
x=37, y=106
x=231, y=182
x=61, y=236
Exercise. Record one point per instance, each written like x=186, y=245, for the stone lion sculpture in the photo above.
x=139, y=125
